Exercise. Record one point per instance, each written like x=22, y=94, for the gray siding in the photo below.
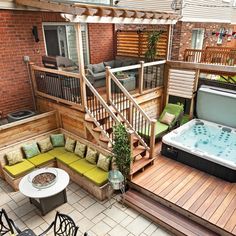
x=153, y=5
x=233, y=16
x=204, y=14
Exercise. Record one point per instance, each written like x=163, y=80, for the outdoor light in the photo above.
x=35, y=33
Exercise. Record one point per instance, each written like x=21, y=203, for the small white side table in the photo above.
x=49, y=198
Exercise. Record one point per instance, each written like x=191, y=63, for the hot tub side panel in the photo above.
x=198, y=163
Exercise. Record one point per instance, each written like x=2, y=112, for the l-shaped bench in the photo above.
x=89, y=176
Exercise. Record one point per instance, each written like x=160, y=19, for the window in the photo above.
x=197, y=38
x=234, y=3
x=60, y=40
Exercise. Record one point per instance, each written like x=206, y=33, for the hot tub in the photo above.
x=207, y=145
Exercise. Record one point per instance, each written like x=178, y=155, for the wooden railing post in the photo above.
x=131, y=139
x=152, y=138
x=33, y=83
x=108, y=84
x=141, y=74
x=130, y=113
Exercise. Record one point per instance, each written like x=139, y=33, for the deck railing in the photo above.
x=133, y=115
x=57, y=85
x=211, y=55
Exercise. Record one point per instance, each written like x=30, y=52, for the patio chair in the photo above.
x=63, y=225
x=168, y=120
x=7, y=225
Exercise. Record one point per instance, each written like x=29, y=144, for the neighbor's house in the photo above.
x=199, y=19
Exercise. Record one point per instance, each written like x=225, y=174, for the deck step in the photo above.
x=168, y=218
x=139, y=150
x=140, y=164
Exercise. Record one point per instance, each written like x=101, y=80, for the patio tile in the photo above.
x=87, y=201
x=73, y=198
x=101, y=228
x=73, y=187
x=109, y=222
x=4, y=198
x=24, y=209
x=80, y=192
x=78, y=207
x=132, y=213
x=150, y=229
x=12, y=204
x=34, y=222
x=93, y=210
x=118, y=230
x=76, y=215
x=85, y=225
x=116, y=214
x=126, y=221
x=160, y=232
x=138, y=225
x=98, y=218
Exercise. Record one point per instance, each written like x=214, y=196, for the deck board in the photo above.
x=205, y=196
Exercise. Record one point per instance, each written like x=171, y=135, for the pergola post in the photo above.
x=79, y=46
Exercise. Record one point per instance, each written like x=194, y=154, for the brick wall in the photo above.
x=183, y=34
x=101, y=42
x=17, y=41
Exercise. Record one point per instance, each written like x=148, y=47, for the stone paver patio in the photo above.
x=92, y=216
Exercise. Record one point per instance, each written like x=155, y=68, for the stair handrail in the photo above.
x=152, y=122
x=104, y=104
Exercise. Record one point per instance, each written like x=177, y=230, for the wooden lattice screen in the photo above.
x=134, y=44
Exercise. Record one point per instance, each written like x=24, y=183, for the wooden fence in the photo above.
x=134, y=44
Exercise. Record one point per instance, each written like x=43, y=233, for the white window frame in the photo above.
x=65, y=23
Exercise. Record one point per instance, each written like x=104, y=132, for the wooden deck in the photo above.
x=206, y=199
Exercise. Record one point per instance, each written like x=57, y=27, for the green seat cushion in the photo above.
x=98, y=176
x=20, y=168
x=57, y=151
x=68, y=158
x=160, y=129
x=82, y=166
x=41, y=159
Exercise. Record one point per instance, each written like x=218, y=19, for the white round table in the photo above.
x=46, y=199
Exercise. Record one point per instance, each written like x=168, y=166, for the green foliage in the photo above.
x=121, y=150
x=153, y=38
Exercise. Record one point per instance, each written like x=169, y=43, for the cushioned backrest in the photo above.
x=174, y=109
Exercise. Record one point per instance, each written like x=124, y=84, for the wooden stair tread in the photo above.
x=104, y=139
x=139, y=164
x=164, y=215
x=138, y=150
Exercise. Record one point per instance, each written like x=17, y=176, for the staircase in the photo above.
x=101, y=116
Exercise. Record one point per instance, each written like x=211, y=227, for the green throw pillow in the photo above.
x=14, y=157
x=103, y=162
x=80, y=149
x=45, y=145
x=91, y=156
x=70, y=145
x=58, y=140
x=31, y=150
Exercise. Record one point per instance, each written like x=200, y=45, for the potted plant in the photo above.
x=122, y=151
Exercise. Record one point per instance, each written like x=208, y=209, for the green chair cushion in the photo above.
x=20, y=168
x=58, y=140
x=98, y=176
x=82, y=166
x=41, y=159
x=57, y=151
x=68, y=157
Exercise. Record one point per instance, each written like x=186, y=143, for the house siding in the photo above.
x=197, y=11
x=152, y=5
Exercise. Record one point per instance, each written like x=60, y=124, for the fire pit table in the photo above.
x=46, y=188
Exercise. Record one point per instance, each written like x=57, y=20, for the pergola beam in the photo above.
x=89, y=13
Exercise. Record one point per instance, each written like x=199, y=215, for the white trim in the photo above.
x=115, y=20
x=190, y=19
